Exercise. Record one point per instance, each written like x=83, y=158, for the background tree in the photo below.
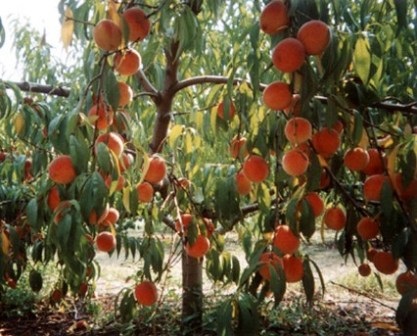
x=299, y=113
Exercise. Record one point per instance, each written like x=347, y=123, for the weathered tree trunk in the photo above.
x=192, y=295
x=192, y=282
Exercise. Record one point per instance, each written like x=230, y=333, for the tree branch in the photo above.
x=198, y=80
x=146, y=84
x=39, y=88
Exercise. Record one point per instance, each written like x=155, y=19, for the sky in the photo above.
x=42, y=15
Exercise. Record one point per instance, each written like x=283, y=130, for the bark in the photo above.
x=192, y=295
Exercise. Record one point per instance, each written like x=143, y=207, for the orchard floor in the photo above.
x=351, y=305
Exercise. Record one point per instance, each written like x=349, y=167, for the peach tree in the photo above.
x=272, y=120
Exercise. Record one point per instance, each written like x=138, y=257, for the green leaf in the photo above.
x=2, y=34
x=235, y=269
x=362, y=58
x=313, y=173
x=35, y=280
x=401, y=11
x=111, y=89
x=248, y=322
x=307, y=220
x=400, y=243
x=32, y=214
x=308, y=280
x=357, y=128
x=224, y=319
x=277, y=283
x=104, y=159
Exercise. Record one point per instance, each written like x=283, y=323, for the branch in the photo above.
x=39, y=88
x=384, y=104
x=146, y=84
x=198, y=80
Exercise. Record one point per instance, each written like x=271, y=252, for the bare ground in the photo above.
x=368, y=313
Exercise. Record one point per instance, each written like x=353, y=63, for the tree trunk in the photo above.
x=192, y=296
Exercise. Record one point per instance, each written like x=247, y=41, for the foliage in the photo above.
x=195, y=57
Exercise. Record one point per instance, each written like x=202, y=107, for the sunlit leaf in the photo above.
x=362, y=58
x=67, y=28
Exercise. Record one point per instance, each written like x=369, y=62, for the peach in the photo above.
x=356, y=159
x=274, y=17
x=128, y=62
x=107, y=35
x=315, y=36
x=277, y=95
x=137, y=22
x=295, y=162
x=298, y=130
x=61, y=170
x=288, y=55
x=113, y=141
x=255, y=168
x=157, y=169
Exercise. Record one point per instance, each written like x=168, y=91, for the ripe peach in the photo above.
x=316, y=203
x=298, y=130
x=128, y=62
x=145, y=192
x=125, y=94
x=293, y=268
x=107, y=35
x=315, y=36
x=376, y=163
x=364, y=269
x=406, y=282
x=356, y=159
x=113, y=141
x=405, y=193
x=267, y=260
x=288, y=55
x=157, y=169
x=101, y=114
x=146, y=293
x=372, y=187
x=326, y=142
x=295, y=162
x=111, y=218
x=226, y=105
x=105, y=241
x=61, y=170
x=385, y=262
x=285, y=240
x=367, y=228
x=334, y=218
x=243, y=184
x=277, y=95
x=138, y=23
x=255, y=168
x=182, y=226
x=274, y=17
x=199, y=248
x=53, y=198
